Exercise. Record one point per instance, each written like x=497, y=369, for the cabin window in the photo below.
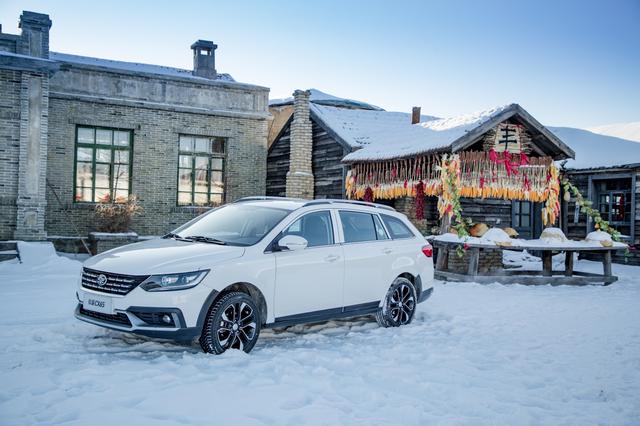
x=201, y=166
x=103, y=164
x=613, y=199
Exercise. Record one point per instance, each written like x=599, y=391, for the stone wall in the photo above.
x=489, y=260
x=9, y=149
x=155, y=160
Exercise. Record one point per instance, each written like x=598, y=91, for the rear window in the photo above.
x=358, y=227
x=396, y=227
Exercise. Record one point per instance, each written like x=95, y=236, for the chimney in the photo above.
x=34, y=40
x=415, y=115
x=300, y=180
x=204, y=59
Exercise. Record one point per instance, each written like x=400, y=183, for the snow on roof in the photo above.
x=132, y=66
x=370, y=129
x=596, y=151
x=322, y=98
x=382, y=136
x=628, y=131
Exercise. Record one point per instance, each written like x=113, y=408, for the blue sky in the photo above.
x=572, y=63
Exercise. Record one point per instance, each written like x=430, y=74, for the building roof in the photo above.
x=594, y=151
x=381, y=135
x=132, y=67
x=320, y=98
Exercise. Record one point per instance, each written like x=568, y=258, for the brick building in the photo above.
x=76, y=131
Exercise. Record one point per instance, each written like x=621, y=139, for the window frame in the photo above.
x=210, y=156
x=95, y=146
x=593, y=194
x=390, y=234
x=372, y=214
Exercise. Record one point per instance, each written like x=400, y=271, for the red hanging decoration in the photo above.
x=368, y=194
x=524, y=160
x=419, y=201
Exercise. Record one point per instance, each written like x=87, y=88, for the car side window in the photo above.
x=358, y=227
x=396, y=227
x=380, y=232
x=314, y=227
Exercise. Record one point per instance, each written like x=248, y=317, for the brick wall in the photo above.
x=155, y=160
x=9, y=149
x=300, y=175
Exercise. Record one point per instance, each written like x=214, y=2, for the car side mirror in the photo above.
x=292, y=243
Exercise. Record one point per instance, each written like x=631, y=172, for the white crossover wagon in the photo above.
x=261, y=262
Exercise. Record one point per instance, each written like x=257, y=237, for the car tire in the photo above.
x=399, y=305
x=233, y=322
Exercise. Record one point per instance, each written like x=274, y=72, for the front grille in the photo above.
x=119, y=318
x=115, y=284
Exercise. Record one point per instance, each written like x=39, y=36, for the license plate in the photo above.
x=97, y=304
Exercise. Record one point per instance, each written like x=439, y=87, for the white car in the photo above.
x=261, y=262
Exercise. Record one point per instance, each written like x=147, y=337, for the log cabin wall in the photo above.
x=278, y=164
x=575, y=225
x=328, y=170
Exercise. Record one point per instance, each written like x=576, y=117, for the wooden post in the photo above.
x=474, y=259
x=445, y=224
x=546, y=263
x=442, y=263
x=606, y=263
x=568, y=263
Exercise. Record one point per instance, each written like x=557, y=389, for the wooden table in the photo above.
x=519, y=276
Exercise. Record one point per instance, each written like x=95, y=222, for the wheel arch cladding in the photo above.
x=253, y=292
x=415, y=280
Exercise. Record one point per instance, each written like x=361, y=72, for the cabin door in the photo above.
x=526, y=218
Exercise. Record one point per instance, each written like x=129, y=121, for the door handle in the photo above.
x=387, y=250
x=331, y=258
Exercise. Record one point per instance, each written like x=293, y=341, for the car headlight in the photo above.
x=168, y=282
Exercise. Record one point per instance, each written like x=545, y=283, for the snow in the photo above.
x=385, y=137
x=133, y=66
x=553, y=236
x=323, y=98
x=594, y=151
x=540, y=243
x=598, y=236
x=628, y=131
x=474, y=355
x=495, y=235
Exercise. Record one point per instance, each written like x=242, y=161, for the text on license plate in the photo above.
x=97, y=304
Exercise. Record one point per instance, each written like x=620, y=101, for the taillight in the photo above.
x=427, y=251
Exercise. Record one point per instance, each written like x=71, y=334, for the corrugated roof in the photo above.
x=321, y=98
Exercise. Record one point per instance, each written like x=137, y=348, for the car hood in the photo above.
x=162, y=256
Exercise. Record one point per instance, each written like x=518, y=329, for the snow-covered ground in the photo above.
x=474, y=355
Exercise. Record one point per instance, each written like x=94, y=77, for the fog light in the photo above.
x=166, y=318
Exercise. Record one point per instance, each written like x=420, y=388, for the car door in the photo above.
x=366, y=253
x=311, y=279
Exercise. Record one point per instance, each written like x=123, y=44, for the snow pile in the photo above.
x=598, y=236
x=553, y=236
x=496, y=235
x=473, y=355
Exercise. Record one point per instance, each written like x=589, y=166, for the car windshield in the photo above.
x=233, y=224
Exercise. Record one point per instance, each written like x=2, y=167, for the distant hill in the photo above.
x=594, y=150
x=629, y=131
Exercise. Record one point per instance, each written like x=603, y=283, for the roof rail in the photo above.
x=265, y=198
x=355, y=202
